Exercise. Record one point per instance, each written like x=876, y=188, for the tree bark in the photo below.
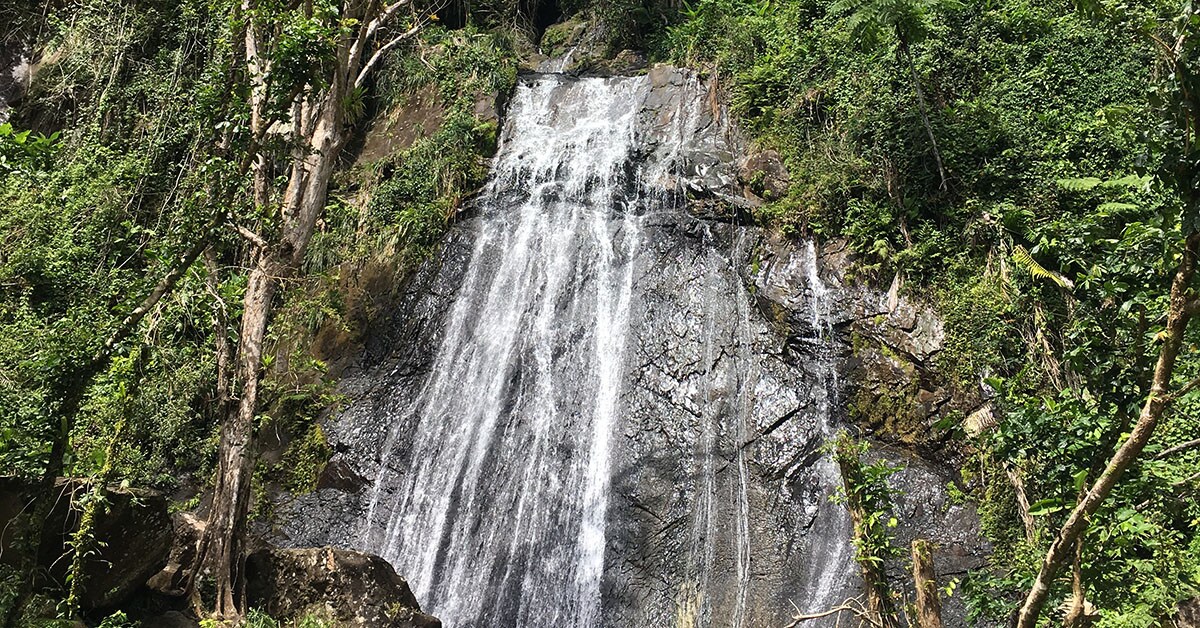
x=1179, y=313
x=880, y=609
x=225, y=532
x=929, y=605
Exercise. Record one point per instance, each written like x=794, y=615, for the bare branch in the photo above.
x=846, y=606
x=1187, y=388
x=249, y=235
x=1191, y=444
x=1194, y=476
x=368, y=32
x=370, y=64
x=164, y=287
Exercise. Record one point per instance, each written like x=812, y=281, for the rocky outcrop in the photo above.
x=895, y=388
x=352, y=588
x=132, y=537
x=578, y=46
x=764, y=175
x=172, y=579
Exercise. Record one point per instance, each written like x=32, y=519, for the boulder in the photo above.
x=764, y=175
x=133, y=536
x=353, y=588
x=171, y=580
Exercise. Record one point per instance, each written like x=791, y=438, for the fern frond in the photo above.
x=1023, y=259
x=1131, y=181
x=1114, y=207
x=1079, y=185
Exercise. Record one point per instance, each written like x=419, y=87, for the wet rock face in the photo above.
x=133, y=538
x=891, y=343
x=352, y=588
x=928, y=510
x=739, y=363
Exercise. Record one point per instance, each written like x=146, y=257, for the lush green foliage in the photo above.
x=1049, y=252
x=128, y=143
x=1072, y=176
x=866, y=487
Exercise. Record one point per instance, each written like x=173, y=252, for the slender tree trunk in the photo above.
x=1179, y=312
x=231, y=498
x=929, y=606
x=222, y=550
x=879, y=598
x=221, y=344
x=916, y=79
x=1076, y=614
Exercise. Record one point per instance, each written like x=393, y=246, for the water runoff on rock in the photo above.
x=494, y=492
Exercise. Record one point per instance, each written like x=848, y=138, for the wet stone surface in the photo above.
x=722, y=356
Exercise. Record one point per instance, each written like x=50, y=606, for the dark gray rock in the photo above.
x=742, y=361
x=895, y=390
x=925, y=509
x=133, y=536
x=353, y=588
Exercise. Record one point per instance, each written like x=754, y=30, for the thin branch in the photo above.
x=370, y=64
x=844, y=607
x=1178, y=448
x=254, y=238
x=372, y=27
x=1194, y=476
x=1187, y=388
x=164, y=286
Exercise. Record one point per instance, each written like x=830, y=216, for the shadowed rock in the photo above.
x=353, y=588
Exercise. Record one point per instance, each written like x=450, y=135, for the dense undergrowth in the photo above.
x=1046, y=247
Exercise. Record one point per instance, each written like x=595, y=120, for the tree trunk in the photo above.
x=1077, y=616
x=937, y=155
x=1014, y=478
x=929, y=606
x=225, y=533
x=1179, y=312
x=222, y=555
x=880, y=609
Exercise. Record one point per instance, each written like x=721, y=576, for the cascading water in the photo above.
x=584, y=418
x=501, y=511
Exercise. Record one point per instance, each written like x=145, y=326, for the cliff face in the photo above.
x=737, y=355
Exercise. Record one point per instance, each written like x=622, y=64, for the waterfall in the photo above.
x=502, y=500
x=592, y=423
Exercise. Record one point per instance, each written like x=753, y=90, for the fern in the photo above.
x=1023, y=259
x=1131, y=181
x=1115, y=207
x=1079, y=185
